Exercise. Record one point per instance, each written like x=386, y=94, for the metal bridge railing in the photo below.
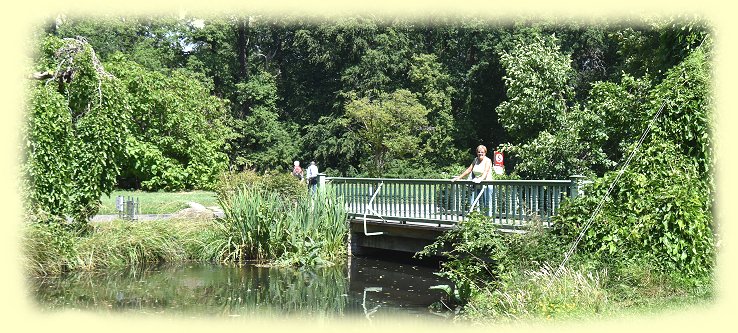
x=507, y=202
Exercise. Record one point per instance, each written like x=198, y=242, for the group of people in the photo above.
x=311, y=178
x=480, y=169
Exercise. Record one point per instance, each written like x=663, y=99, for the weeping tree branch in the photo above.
x=66, y=55
x=68, y=66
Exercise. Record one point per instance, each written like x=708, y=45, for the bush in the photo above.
x=476, y=259
x=284, y=184
x=659, y=206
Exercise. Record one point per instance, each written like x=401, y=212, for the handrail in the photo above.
x=476, y=200
x=446, y=201
x=483, y=182
x=369, y=207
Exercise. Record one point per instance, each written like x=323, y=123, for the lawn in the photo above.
x=158, y=202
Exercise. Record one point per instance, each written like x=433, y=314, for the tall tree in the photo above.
x=389, y=124
x=74, y=134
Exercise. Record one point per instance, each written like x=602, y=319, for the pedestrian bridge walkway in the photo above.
x=511, y=203
x=407, y=214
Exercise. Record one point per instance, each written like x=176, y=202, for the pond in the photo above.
x=359, y=288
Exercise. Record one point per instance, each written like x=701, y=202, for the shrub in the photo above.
x=475, y=259
x=283, y=184
x=659, y=206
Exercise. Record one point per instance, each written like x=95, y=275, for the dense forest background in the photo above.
x=169, y=102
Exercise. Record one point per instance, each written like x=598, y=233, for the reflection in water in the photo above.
x=364, y=287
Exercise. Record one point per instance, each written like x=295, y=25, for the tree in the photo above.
x=538, y=88
x=178, y=129
x=389, y=124
x=623, y=107
x=262, y=140
x=576, y=148
x=433, y=90
x=74, y=134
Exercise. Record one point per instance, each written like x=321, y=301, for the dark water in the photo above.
x=360, y=288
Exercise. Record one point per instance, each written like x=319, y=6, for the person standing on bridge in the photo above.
x=478, y=171
x=312, y=177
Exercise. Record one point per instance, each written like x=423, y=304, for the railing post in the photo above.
x=575, y=186
x=321, y=180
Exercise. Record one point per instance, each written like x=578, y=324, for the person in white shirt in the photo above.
x=312, y=176
x=478, y=171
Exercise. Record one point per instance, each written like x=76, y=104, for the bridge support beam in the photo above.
x=396, y=237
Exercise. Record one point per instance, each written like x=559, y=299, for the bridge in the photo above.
x=408, y=214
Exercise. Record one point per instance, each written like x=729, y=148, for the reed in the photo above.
x=543, y=294
x=51, y=249
x=258, y=225
x=261, y=225
x=122, y=244
x=48, y=248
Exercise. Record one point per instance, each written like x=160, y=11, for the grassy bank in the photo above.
x=54, y=249
x=523, y=281
x=258, y=225
x=158, y=202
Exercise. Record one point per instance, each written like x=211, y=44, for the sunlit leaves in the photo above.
x=538, y=87
x=178, y=129
x=74, y=135
x=389, y=124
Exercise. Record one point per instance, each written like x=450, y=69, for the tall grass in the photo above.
x=55, y=248
x=49, y=248
x=542, y=294
x=263, y=225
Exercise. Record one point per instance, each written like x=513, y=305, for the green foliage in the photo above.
x=48, y=151
x=538, y=87
x=476, y=254
x=655, y=46
x=380, y=64
x=178, y=130
x=575, y=149
x=687, y=114
x=332, y=140
x=74, y=134
x=389, y=125
x=659, y=206
x=151, y=42
x=434, y=91
x=262, y=225
x=623, y=108
x=262, y=140
x=554, y=139
x=282, y=183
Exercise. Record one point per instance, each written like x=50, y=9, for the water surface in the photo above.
x=360, y=288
